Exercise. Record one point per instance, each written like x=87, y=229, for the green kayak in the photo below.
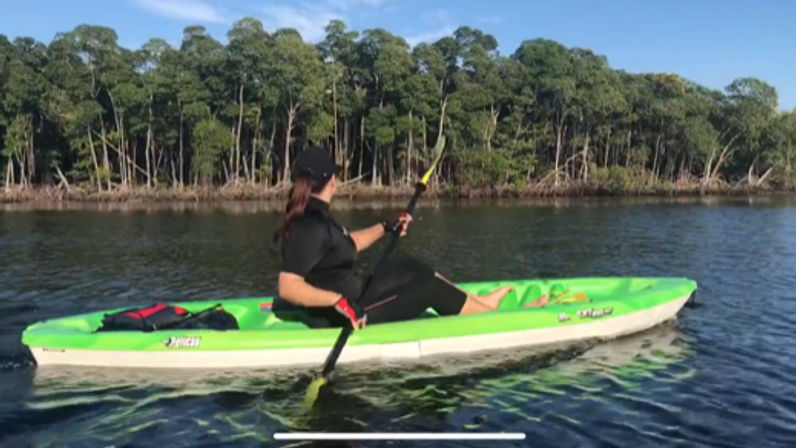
x=576, y=309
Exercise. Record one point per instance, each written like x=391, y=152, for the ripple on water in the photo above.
x=720, y=376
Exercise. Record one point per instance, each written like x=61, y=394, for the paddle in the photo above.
x=337, y=349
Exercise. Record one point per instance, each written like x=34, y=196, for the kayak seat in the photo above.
x=286, y=320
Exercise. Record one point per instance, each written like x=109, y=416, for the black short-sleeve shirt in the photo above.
x=322, y=251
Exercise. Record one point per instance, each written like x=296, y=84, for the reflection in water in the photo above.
x=488, y=392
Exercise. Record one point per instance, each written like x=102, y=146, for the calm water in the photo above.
x=723, y=374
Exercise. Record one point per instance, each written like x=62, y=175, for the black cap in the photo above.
x=315, y=163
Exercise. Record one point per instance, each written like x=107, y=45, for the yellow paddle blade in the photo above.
x=312, y=392
x=438, y=148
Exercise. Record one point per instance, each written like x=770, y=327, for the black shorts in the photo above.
x=402, y=289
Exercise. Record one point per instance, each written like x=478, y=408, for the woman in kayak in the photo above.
x=318, y=256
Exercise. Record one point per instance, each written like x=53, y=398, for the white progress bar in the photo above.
x=399, y=436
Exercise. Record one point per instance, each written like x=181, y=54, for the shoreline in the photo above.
x=256, y=192
x=251, y=199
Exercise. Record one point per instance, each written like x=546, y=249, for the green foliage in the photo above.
x=487, y=170
x=211, y=138
x=211, y=111
x=480, y=169
x=616, y=179
x=16, y=138
x=321, y=126
x=382, y=126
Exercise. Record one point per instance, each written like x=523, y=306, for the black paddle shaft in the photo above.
x=395, y=233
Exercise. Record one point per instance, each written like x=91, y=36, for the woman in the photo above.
x=318, y=256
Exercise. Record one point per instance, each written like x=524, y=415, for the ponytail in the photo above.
x=299, y=196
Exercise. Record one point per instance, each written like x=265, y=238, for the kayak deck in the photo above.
x=592, y=308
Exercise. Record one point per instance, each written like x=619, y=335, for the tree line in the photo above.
x=84, y=110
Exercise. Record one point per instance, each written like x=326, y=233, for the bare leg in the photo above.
x=540, y=302
x=493, y=298
x=480, y=304
x=471, y=306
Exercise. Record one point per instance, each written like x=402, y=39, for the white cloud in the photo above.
x=308, y=21
x=311, y=19
x=183, y=9
x=441, y=20
x=429, y=36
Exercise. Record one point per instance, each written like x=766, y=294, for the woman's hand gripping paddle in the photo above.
x=337, y=349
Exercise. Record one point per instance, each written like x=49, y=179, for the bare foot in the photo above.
x=492, y=300
x=540, y=302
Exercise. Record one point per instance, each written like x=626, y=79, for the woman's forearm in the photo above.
x=295, y=289
x=364, y=238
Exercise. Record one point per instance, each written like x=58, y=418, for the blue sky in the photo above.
x=708, y=41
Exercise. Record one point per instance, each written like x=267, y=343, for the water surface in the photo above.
x=721, y=375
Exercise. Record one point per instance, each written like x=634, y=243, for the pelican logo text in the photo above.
x=182, y=342
x=595, y=312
